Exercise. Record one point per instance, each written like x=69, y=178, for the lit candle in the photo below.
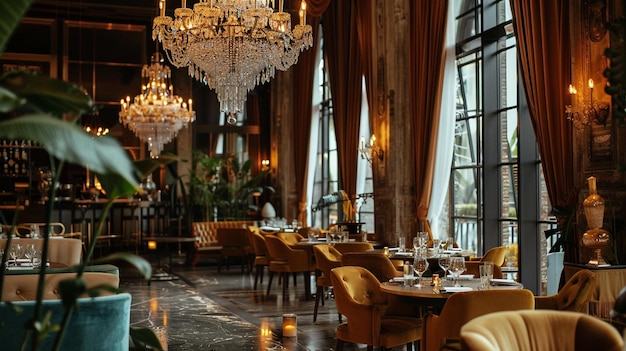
x=162, y=7
x=372, y=140
x=280, y=5
x=190, y=108
x=303, y=10
x=362, y=143
x=591, y=89
x=290, y=325
x=301, y=14
x=572, y=90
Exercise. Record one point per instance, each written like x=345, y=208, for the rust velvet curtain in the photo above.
x=542, y=30
x=426, y=56
x=364, y=25
x=304, y=72
x=344, y=67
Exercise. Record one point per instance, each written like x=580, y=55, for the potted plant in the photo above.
x=37, y=106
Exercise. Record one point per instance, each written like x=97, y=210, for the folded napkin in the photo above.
x=503, y=282
x=453, y=289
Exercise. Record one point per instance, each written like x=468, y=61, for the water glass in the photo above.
x=484, y=277
x=408, y=274
x=402, y=243
x=489, y=269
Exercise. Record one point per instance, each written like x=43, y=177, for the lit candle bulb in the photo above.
x=162, y=7
x=372, y=140
x=190, y=108
x=591, y=90
x=303, y=13
x=572, y=90
x=362, y=143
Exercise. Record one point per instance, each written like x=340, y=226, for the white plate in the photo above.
x=503, y=282
x=452, y=289
x=462, y=277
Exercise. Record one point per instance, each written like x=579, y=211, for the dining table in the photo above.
x=431, y=299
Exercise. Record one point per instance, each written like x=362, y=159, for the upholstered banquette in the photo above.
x=207, y=244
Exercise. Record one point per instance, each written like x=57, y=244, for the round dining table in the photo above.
x=430, y=299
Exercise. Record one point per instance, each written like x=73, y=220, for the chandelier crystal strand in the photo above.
x=232, y=45
x=156, y=115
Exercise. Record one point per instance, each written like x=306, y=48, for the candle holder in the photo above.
x=290, y=325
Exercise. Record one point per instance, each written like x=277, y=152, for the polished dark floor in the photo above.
x=203, y=309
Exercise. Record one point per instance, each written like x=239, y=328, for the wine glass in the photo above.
x=30, y=253
x=457, y=266
x=16, y=252
x=443, y=244
x=444, y=262
x=436, y=246
x=420, y=265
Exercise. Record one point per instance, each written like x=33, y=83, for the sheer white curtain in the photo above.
x=445, y=138
x=314, y=139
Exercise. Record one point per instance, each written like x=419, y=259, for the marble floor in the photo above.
x=203, y=309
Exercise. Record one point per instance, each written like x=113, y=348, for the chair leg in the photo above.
x=269, y=284
x=285, y=279
x=318, y=295
x=257, y=273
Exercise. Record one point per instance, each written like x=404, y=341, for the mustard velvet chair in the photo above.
x=359, y=298
x=574, y=295
x=285, y=260
x=495, y=254
x=539, y=330
x=377, y=263
x=261, y=257
x=461, y=307
x=290, y=238
x=326, y=258
x=353, y=247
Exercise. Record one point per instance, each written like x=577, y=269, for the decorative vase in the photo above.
x=595, y=238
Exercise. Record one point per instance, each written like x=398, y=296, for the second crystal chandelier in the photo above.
x=232, y=45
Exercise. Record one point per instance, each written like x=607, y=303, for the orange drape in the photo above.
x=427, y=55
x=344, y=67
x=304, y=71
x=542, y=30
x=364, y=23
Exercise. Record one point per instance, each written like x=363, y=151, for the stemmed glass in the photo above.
x=16, y=252
x=457, y=266
x=30, y=253
x=420, y=265
x=444, y=262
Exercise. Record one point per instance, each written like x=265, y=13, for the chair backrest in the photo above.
x=355, y=288
x=496, y=255
x=462, y=307
x=277, y=248
x=290, y=238
x=377, y=263
x=23, y=287
x=326, y=258
x=576, y=292
x=353, y=247
x=66, y=251
x=258, y=244
x=539, y=330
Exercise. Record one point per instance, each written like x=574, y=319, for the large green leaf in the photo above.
x=11, y=12
x=69, y=143
x=32, y=92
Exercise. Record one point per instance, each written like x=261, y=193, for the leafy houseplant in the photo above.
x=221, y=187
x=35, y=107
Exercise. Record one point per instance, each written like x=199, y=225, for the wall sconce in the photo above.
x=371, y=150
x=265, y=165
x=589, y=112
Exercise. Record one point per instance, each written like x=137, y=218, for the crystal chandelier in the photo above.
x=232, y=45
x=156, y=115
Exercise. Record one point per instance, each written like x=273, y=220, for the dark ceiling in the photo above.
x=124, y=11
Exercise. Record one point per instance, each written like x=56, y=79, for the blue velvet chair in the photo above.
x=98, y=324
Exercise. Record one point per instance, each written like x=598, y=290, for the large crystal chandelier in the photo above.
x=156, y=115
x=232, y=45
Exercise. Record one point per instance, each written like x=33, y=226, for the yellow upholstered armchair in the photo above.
x=353, y=246
x=462, y=307
x=377, y=263
x=359, y=298
x=495, y=254
x=539, y=330
x=573, y=296
x=285, y=260
x=326, y=258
